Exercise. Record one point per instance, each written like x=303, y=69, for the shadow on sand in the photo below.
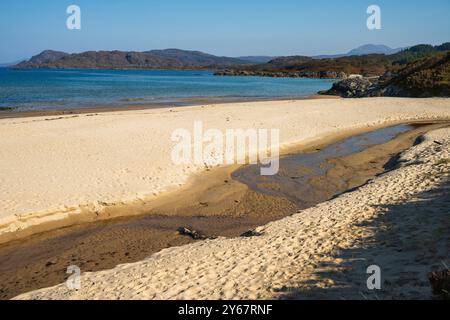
x=407, y=242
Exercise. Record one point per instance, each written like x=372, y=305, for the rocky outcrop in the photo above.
x=355, y=87
x=282, y=74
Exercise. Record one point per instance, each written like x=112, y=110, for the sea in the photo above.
x=62, y=89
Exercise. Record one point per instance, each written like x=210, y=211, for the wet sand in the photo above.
x=129, y=106
x=221, y=207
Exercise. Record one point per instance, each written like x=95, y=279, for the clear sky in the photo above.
x=231, y=27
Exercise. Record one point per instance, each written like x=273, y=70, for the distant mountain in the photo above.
x=362, y=50
x=373, y=49
x=155, y=59
x=257, y=59
x=47, y=56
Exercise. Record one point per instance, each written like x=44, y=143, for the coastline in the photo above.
x=176, y=103
x=19, y=226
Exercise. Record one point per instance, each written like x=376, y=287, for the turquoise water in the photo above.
x=64, y=89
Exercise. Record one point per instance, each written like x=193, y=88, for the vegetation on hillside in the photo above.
x=155, y=59
x=366, y=65
x=429, y=76
x=425, y=77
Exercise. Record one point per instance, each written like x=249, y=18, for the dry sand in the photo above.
x=398, y=221
x=67, y=169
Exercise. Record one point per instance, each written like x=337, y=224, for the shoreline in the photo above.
x=14, y=228
x=47, y=254
x=128, y=106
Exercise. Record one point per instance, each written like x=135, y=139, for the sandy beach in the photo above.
x=225, y=158
x=398, y=221
x=219, y=203
x=62, y=170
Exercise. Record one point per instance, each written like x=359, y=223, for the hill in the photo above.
x=155, y=59
x=299, y=66
x=425, y=77
x=373, y=49
x=195, y=58
x=370, y=65
x=47, y=56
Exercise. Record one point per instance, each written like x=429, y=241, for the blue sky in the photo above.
x=232, y=28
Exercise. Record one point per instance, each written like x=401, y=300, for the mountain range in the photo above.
x=165, y=59
x=155, y=59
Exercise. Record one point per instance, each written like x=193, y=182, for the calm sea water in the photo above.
x=65, y=89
